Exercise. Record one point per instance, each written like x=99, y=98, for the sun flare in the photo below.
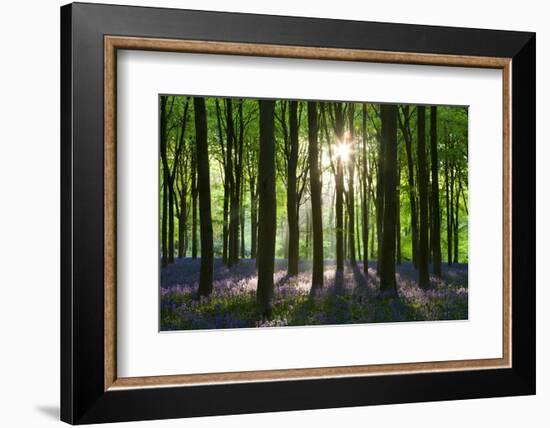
x=343, y=151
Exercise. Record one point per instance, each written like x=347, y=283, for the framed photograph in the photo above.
x=266, y=213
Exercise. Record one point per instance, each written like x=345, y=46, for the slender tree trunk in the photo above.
x=267, y=209
x=447, y=206
x=225, y=230
x=291, y=196
x=372, y=241
x=423, y=244
x=398, y=217
x=203, y=169
x=436, y=216
x=351, y=186
x=194, y=243
x=186, y=231
x=389, y=141
x=332, y=221
x=339, y=122
x=366, y=191
x=182, y=225
x=238, y=183
x=171, y=230
x=241, y=222
x=164, y=225
x=315, y=189
x=380, y=204
x=253, y=222
x=412, y=191
x=226, y=182
x=165, y=179
x=233, y=244
x=358, y=228
x=457, y=207
x=176, y=166
x=346, y=235
x=452, y=208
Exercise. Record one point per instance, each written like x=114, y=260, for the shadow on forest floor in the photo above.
x=347, y=297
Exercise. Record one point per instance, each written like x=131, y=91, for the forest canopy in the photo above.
x=361, y=199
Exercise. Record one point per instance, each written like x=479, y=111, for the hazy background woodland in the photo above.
x=283, y=212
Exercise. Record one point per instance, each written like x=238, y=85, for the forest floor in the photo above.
x=348, y=298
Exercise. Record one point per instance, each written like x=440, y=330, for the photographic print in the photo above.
x=276, y=212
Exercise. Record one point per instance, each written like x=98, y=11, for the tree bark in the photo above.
x=351, y=186
x=357, y=226
x=315, y=190
x=164, y=225
x=194, y=243
x=182, y=224
x=165, y=179
x=241, y=222
x=253, y=221
x=457, y=207
x=380, y=204
x=203, y=169
x=436, y=216
x=389, y=142
x=233, y=241
x=170, y=222
x=251, y=165
x=267, y=209
x=339, y=127
x=291, y=196
x=447, y=205
x=398, y=256
x=226, y=184
x=407, y=136
x=366, y=191
x=423, y=243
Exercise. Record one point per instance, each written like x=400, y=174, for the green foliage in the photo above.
x=452, y=148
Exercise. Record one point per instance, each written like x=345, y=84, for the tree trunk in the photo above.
x=241, y=222
x=452, y=208
x=225, y=230
x=164, y=225
x=203, y=169
x=291, y=196
x=182, y=223
x=346, y=237
x=267, y=209
x=253, y=222
x=233, y=242
x=436, y=216
x=423, y=244
x=380, y=205
x=366, y=191
x=447, y=206
x=372, y=241
x=180, y=145
x=339, y=125
x=194, y=192
x=406, y=129
x=358, y=228
x=389, y=142
x=226, y=183
x=165, y=179
x=398, y=256
x=315, y=189
x=239, y=182
x=171, y=230
x=351, y=186
x=457, y=207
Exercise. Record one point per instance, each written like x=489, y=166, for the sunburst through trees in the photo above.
x=288, y=212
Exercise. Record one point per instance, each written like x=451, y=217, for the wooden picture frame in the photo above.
x=91, y=390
